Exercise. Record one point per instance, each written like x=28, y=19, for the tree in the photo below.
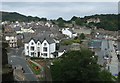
x=7, y=71
x=77, y=66
x=119, y=77
x=82, y=36
x=105, y=76
x=61, y=22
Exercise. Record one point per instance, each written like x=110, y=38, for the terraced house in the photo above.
x=40, y=47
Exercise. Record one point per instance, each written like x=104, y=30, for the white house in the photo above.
x=69, y=32
x=40, y=47
x=47, y=24
x=26, y=30
x=12, y=41
x=94, y=20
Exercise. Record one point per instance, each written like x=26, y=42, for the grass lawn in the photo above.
x=34, y=68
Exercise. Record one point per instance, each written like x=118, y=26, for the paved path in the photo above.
x=114, y=61
x=107, y=48
x=15, y=58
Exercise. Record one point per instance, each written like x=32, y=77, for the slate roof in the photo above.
x=62, y=48
x=118, y=46
x=10, y=34
x=17, y=28
x=40, y=38
x=95, y=44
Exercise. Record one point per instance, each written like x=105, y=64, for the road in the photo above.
x=15, y=58
x=108, y=49
x=118, y=46
x=102, y=52
x=114, y=61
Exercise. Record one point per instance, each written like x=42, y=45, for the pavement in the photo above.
x=102, y=52
x=15, y=57
x=118, y=46
x=114, y=61
x=19, y=75
x=108, y=48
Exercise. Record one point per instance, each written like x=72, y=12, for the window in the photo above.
x=45, y=49
x=45, y=54
x=32, y=47
x=32, y=53
x=45, y=44
x=27, y=47
x=38, y=48
x=32, y=43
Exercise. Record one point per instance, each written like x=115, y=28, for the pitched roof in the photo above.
x=62, y=48
x=44, y=37
x=40, y=38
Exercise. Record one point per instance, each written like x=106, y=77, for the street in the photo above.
x=114, y=61
x=15, y=57
x=107, y=48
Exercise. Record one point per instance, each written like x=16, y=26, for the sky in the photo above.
x=66, y=10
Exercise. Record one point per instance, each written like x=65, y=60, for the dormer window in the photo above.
x=45, y=44
x=32, y=43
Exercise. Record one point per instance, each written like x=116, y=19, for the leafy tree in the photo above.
x=82, y=36
x=105, y=76
x=77, y=66
x=61, y=22
x=73, y=18
x=78, y=21
x=119, y=77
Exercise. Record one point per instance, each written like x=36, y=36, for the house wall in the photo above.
x=48, y=51
x=32, y=51
x=12, y=41
x=38, y=47
x=7, y=38
x=67, y=32
x=60, y=53
x=52, y=47
x=26, y=49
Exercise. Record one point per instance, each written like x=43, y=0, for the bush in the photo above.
x=69, y=42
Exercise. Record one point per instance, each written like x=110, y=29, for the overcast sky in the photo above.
x=54, y=10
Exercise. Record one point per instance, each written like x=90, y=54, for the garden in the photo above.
x=34, y=68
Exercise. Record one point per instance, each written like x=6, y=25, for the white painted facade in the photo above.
x=42, y=49
x=25, y=30
x=47, y=24
x=67, y=32
x=12, y=41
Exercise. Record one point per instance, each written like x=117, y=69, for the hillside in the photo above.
x=13, y=16
x=107, y=21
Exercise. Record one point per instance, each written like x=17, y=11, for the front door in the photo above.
x=38, y=54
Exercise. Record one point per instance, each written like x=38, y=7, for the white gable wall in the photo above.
x=52, y=47
x=34, y=45
x=39, y=50
x=43, y=45
x=67, y=32
x=26, y=49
